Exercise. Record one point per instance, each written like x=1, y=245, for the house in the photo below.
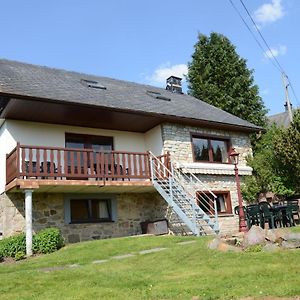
x=282, y=119
x=96, y=156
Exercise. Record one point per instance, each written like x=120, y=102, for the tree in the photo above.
x=218, y=76
x=268, y=169
x=287, y=149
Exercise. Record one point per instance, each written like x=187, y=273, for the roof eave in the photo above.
x=165, y=117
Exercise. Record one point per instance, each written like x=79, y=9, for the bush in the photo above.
x=20, y=255
x=9, y=247
x=47, y=241
x=1, y=256
x=254, y=248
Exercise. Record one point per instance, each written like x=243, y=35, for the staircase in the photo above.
x=181, y=191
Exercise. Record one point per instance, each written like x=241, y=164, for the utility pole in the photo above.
x=287, y=98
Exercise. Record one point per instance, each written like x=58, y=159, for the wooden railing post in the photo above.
x=18, y=160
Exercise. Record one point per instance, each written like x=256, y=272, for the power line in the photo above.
x=293, y=91
x=256, y=27
x=253, y=35
x=270, y=54
x=270, y=51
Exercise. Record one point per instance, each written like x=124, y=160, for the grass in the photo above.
x=179, y=272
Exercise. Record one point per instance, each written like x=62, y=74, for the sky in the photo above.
x=147, y=41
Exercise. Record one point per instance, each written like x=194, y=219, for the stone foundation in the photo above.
x=48, y=211
x=132, y=209
x=12, y=219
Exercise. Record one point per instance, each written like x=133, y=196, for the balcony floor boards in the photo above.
x=80, y=186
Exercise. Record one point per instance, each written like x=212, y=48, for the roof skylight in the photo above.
x=157, y=95
x=92, y=84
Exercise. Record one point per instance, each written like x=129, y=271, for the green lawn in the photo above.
x=179, y=272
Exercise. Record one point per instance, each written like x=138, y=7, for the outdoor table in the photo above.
x=282, y=209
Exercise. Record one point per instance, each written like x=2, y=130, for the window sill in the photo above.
x=90, y=222
x=225, y=215
x=214, y=168
x=222, y=215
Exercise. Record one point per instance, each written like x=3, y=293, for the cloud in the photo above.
x=276, y=51
x=269, y=12
x=265, y=92
x=164, y=71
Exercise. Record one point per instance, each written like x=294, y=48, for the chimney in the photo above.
x=174, y=84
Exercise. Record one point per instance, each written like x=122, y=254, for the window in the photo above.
x=210, y=149
x=90, y=210
x=157, y=95
x=92, y=84
x=95, y=142
x=206, y=202
x=81, y=141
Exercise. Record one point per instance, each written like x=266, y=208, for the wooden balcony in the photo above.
x=33, y=166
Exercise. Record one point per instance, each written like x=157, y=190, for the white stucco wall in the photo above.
x=40, y=134
x=153, y=140
x=7, y=143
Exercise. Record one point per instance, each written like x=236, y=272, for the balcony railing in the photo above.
x=26, y=162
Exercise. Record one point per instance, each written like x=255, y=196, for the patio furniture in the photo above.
x=30, y=167
x=114, y=172
x=279, y=212
x=292, y=210
x=267, y=215
x=48, y=167
x=253, y=215
x=237, y=210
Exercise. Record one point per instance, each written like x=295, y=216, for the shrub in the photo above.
x=9, y=247
x=47, y=241
x=254, y=248
x=1, y=256
x=19, y=255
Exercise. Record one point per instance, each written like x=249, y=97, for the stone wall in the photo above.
x=48, y=211
x=12, y=219
x=132, y=209
x=228, y=223
x=177, y=140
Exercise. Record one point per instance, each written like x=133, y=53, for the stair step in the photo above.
x=184, y=202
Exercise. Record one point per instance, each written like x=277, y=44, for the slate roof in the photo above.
x=41, y=82
x=281, y=119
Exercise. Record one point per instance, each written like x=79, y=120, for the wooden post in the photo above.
x=28, y=218
x=18, y=160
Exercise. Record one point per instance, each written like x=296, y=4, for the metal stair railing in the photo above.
x=197, y=188
x=175, y=187
x=163, y=181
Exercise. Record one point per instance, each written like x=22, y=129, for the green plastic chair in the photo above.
x=237, y=211
x=291, y=211
x=253, y=215
x=266, y=215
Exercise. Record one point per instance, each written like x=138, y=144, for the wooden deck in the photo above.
x=56, y=168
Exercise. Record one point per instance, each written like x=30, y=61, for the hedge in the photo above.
x=46, y=241
x=1, y=256
x=10, y=246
